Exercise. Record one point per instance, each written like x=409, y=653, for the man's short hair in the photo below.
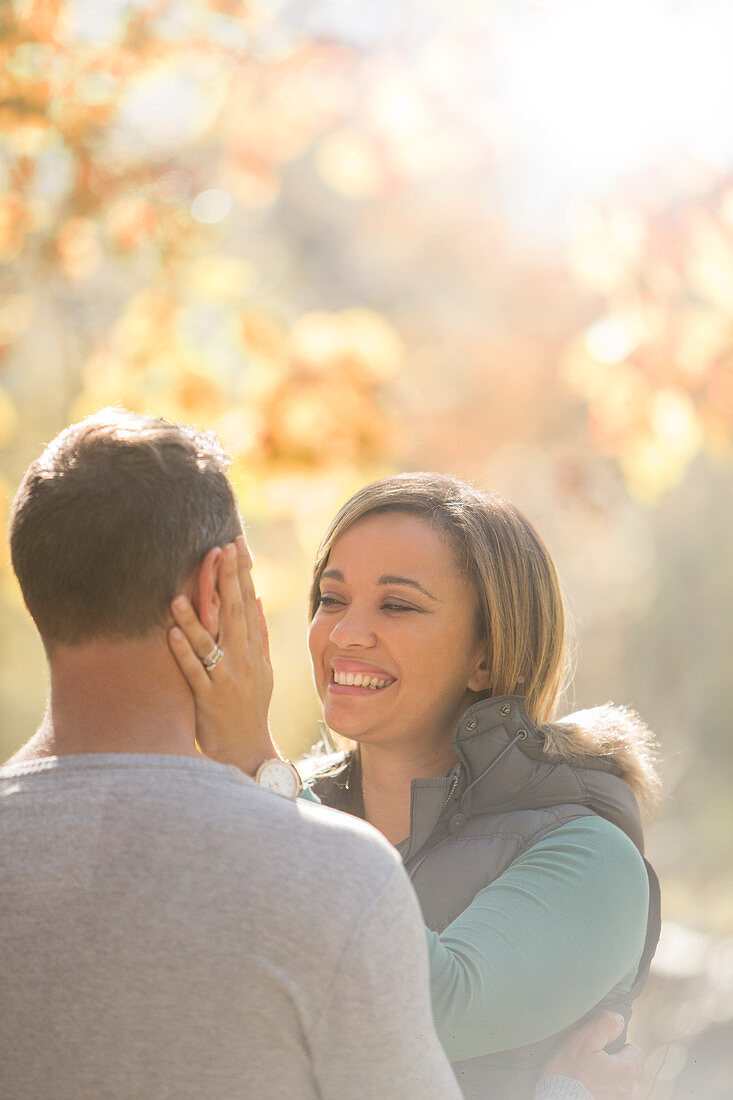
x=111, y=520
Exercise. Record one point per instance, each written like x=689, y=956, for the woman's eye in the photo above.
x=397, y=607
x=329, y=602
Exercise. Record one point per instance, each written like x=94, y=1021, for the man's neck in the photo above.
x=122, y=696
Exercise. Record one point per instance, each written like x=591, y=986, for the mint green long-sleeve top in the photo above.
x=541, y=945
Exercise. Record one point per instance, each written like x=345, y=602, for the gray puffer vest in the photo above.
x=467, y=827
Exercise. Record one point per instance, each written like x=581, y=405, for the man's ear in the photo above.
x=480, y=678
x=205, y=596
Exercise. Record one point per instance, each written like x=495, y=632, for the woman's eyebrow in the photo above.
x=410, y=583
x=333, y=574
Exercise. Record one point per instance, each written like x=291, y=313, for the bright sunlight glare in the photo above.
x=600, y=91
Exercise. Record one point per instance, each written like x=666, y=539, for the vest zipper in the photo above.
x=454, y=783
x=519, y=736
x=451, y=792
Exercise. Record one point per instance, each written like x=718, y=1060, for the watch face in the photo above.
x=278, y=776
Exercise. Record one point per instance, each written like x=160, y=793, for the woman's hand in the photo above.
x=583, y=1056
x=232, y=697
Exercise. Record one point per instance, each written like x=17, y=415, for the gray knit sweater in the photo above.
x=171, y=930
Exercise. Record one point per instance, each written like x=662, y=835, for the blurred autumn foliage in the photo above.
x=354, y=238
x=116, y=117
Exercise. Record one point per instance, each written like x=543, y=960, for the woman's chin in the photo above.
x=345, y=725
x=355, y=712
x=336, y=722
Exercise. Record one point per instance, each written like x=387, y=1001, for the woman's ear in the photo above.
x=480, y=679
x=205, y=596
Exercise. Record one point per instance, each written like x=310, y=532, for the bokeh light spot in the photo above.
x=211, y=206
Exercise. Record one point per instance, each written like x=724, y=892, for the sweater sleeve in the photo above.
x=560, y=1088
x=543, y=944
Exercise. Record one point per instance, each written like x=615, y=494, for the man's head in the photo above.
x=112, y=519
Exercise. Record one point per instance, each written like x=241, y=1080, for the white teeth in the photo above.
x=358, y=679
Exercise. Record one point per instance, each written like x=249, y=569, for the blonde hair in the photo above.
x=520, y=612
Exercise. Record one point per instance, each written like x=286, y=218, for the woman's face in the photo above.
x=393, y=642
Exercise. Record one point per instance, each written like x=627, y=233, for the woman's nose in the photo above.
x=352, y=628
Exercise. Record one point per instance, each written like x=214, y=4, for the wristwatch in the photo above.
x=279, y=775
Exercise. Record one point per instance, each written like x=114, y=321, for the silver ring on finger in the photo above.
x=212, y=658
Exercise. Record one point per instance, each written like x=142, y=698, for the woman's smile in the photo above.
x=355, y=677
